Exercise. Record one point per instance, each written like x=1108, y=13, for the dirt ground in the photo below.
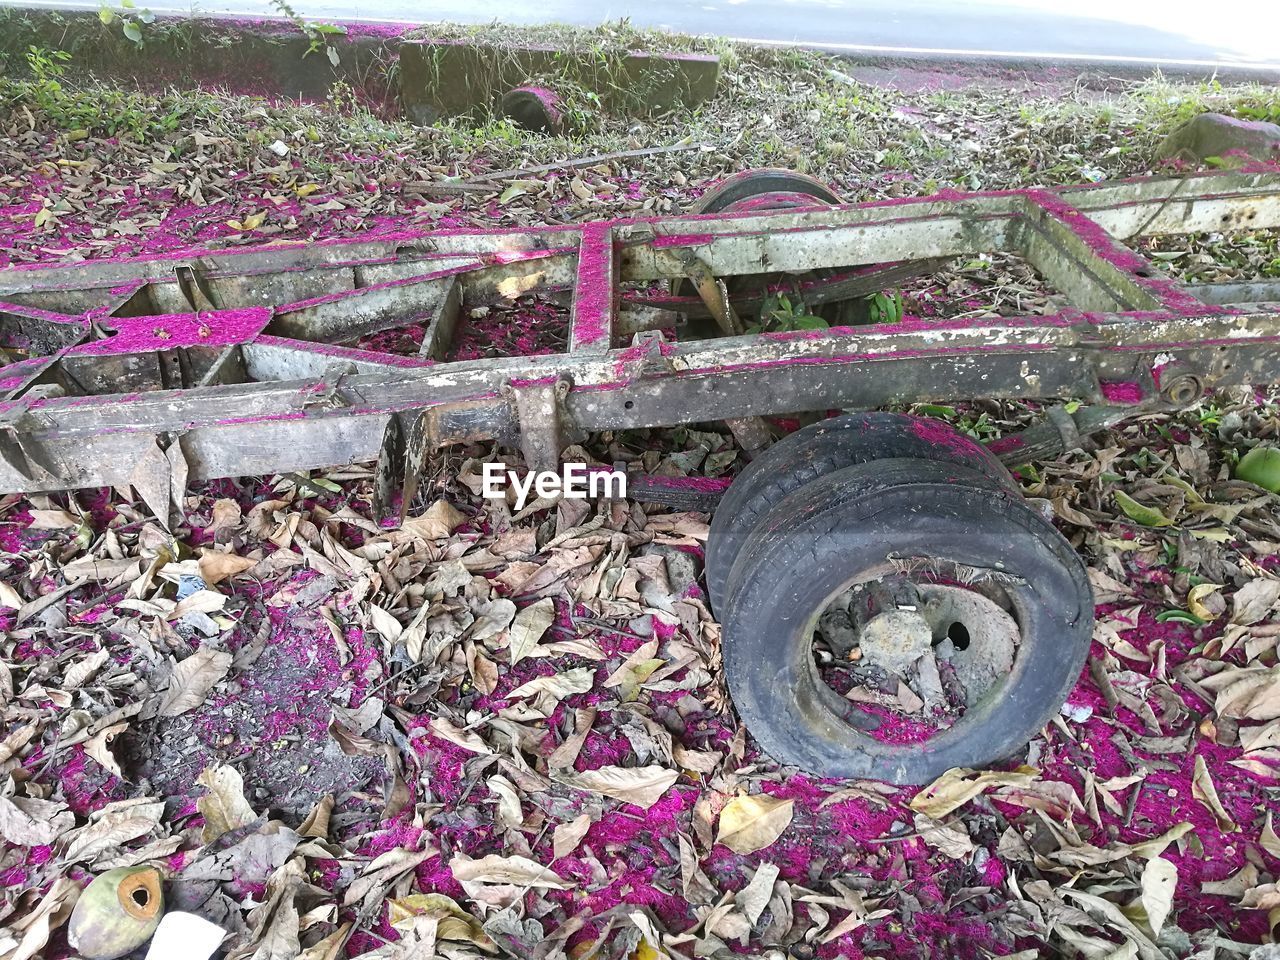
x=500, y=732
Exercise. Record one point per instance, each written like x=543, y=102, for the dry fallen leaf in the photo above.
x=558, y=685
x=29, y=822
x=53, y=520
x=385, y=623
x=958, y=786
x=440, y=520
x=467, y=739
x=1159, y=881
x=33, y=930
x=950, y=838
x=98, y=747
x=1250, y=693
x=225, y=515
x=1268, y=840
x=520, y=871
x=216, y=566
x=223, y=806
x=755, y=896
x=566, y=836
x=492, y=617
x=639, y=785
x=192, y=679
x=114, y=824
x=1254, y=601
x=751, y=823
x=1202, y=789
x=452, y=922
x=529, y=626
x=9, y=599
x=1234, y=886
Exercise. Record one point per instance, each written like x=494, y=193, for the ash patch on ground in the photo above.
x=271, y=725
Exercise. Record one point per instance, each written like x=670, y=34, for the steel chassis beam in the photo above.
x=213, y=363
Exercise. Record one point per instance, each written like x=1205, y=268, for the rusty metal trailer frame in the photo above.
x=162, y=371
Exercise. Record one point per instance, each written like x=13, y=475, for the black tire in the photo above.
x=848, y=525
x=747, y=184
x=822, y=448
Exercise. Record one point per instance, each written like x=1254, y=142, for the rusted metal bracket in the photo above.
x=714, y=294
x=195, y=289
x=19, y=450
x=545, y=428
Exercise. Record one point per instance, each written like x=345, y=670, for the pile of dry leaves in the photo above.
x=488, y=732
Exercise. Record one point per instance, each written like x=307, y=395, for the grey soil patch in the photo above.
x=271, y=725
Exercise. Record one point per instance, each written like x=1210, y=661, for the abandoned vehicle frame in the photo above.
x=159, y=372
x=170, y=370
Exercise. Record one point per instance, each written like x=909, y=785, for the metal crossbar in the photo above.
x=166, y=370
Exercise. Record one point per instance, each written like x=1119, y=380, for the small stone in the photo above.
x=835, y=626
x=1223, y=137
x=1077, y=713
x=682, y=567
x=928, y=682
x=1175, y=941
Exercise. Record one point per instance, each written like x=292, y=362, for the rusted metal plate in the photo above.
x=248, y=361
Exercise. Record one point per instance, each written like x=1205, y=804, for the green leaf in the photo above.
x=1139, y=513
x=511, y=193
x=133, y=32
x=1261, y=465
x=105, y=15
x=1192, y=494
x=811, y=323
x=1179, y=616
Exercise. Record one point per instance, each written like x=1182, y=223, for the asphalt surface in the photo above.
x=1240, y=36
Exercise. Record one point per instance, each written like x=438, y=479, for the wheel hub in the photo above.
x=894, y=622
x=974, y=633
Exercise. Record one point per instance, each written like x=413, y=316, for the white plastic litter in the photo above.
x=184, y=936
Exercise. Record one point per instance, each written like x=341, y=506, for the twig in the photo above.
x=448, y=187
x=895, y=838
x=604, y=625
x=390, y=679
x=586, y=161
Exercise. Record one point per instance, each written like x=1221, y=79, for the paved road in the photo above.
x=1244, y=34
